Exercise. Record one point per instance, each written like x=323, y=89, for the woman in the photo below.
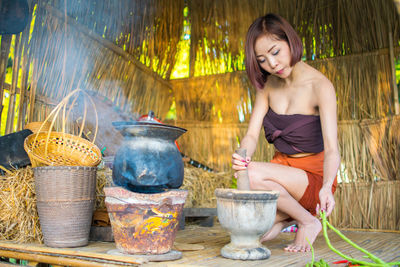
x=296, y=105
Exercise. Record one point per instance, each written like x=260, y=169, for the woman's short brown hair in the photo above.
x=270, y=24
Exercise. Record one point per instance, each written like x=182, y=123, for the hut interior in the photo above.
x=184, y=60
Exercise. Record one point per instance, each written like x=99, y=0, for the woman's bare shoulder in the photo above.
x=323, y=85
x=319, y=80
x=323, y=89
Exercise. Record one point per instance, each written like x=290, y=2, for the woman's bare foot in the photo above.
x=305, y=232
x=275, y=230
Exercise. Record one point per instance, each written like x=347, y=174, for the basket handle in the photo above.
x=63, y=105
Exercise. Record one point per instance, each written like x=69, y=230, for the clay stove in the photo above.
x=145, y=206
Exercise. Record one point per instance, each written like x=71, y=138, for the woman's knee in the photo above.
x=258, y=180
x=254, y=177
x=264, y=184
x=258, y=175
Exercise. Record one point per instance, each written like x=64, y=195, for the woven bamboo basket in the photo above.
x=38, y=126
x=60, y=148
x=65, y=203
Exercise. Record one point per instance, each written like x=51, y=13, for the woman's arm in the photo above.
x=249, y=141
x=326, y=98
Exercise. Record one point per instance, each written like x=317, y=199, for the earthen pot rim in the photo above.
x=229, y=193
x=120, y=194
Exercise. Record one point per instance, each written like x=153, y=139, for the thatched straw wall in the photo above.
x=61, y=64
x=362, y=82
x=374, y=205
x=328, y=28
x=149, y=30
x=216, y=98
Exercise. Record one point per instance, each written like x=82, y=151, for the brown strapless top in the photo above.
x=292, y=134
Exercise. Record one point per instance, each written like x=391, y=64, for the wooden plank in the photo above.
x=92, y=252
x=383, y=245
x=34, y=257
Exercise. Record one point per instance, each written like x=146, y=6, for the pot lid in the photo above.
x=148, y=129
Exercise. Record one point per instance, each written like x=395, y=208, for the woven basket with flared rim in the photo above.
x=59, y=148
x=62, y=150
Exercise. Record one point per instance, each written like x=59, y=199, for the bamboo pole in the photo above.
x=32, y=94
x=393, y=80
x=13, y=91
x=25, y=73
x=5, y=50
x=39, y=98
x=85, y=256
x=53, y=259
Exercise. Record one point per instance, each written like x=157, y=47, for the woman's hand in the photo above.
x=326, y=199
x=239, y=163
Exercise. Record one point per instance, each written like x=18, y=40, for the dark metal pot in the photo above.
x=148, y=160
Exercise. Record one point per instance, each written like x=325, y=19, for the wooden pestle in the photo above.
x=242, y=176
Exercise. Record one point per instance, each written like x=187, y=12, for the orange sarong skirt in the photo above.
x=313, y=165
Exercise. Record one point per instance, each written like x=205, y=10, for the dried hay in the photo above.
x=104, y=178
x=201, y=185
x=19, y=220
